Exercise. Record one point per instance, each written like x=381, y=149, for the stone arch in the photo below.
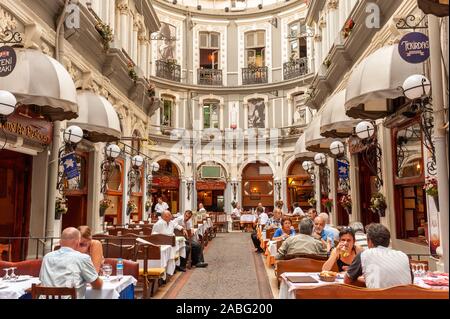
x=251, y=160
x=218, y=161
x=174, y=160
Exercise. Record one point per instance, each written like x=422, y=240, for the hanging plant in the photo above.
x=348, y=27
x=430, y=186
x=104, y=205
x=106, y=33
x=378, y=204
x=328, y=203
x=60, y=207
x=148, y=204
x=131, y=207
x=132, y=71
x=346, y=202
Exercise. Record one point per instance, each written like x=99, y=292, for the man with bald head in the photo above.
x=67, y=267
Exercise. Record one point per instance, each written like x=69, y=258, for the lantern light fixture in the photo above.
x=416, y=86
x=320, y=159
x=137, y=161
x=113, y=151
x=8, y=103
x=73, y=134
x=365, y=130
x=337, y=148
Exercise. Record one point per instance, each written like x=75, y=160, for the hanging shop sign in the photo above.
x=69, y=163
x=342, y=168
x=29, y=127
x=414, y=47
x=8, y=60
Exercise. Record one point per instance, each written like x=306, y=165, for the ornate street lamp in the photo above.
x=154, y=167
x=112, y=152
x=8, y=103
x=321, y=160
x=337, y=149
x=417, y=89
x=189, y=184
x=234, y=184
x=134, y=173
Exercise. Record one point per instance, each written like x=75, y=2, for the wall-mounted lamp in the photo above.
x=134, y=173
x=112, y=151
x=154, y=167
x=234, y=184
x=8, y=103
x=324, y=172
x=337, y=148
x=277, y=183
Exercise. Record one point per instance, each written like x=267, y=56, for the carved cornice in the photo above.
x=7, y=21
x=123, y=7
x=332, y=4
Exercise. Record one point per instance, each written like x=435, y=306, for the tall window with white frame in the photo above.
x=209, y=48
x=166, y=111
x=211, y=114
x=297, y=64
x=255, y=48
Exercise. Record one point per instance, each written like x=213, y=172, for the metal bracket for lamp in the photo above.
x=10, y=37
x=189, y=184
x=278, y=185
x=134, y=173
x=409, y=23
x=112, y=151
x=234, y=185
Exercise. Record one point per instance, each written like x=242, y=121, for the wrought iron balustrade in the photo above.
x=295, y=68
x=209, y=77
x=254, y=75
x=168, y=70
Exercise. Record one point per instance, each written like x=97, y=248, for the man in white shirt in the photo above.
x=297, y=210
x=198, y=260
x=381, y=266
x=67, y=267
x=236, y=211
x=262, y=220
x=160, y=207
x=166, y=226
x=201, y=209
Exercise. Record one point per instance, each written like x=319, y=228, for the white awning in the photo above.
x=300, y=149
x=315, y=142
x=42, y=81
x=334, y=122
x=377, y=78
x=97, y=118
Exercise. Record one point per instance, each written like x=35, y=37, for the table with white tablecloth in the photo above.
x=166, y=261
x=112, y=288
x=288, y=288
x=248, y=218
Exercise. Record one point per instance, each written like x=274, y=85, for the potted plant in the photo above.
x=132, y=71
x=104, y=205
x=60, y=207
x=131, y=207
x=312, y=202
x=348, y=27
x=328, y=203
x=431, y=189
x=378, y=204
x=106, y=33
x=346, y=202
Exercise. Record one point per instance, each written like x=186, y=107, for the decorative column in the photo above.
x=333, y=19
x=122, y=6
x=134, y=47
x=142, y=52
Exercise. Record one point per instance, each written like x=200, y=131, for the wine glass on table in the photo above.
x=107, y=271
x=6, y=276
x=13, y=276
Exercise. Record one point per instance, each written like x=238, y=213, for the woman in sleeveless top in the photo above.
x=91, y=247
x=345, y=252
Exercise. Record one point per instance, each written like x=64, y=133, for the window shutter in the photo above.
x=203, y=40
x=250, y=40
x=214, y=44
x=261, y=39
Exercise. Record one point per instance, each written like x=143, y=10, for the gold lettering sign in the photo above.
x=30, y=128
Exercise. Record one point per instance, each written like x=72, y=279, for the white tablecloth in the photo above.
x=272, y=247
x=15, y=290
x=111, y=288
x=180, y=244
x=247, y=218
x=287, y=288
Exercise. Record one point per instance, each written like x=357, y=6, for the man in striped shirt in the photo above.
x=380, y=265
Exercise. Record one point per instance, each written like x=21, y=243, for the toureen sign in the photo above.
x=8, y=60
x=414, y=47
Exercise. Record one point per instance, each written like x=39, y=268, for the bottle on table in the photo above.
x=119, y=268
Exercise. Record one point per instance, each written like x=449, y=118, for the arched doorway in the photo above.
x=211, y=184
x=257, y=186
x=166, y=184
x=299, y=186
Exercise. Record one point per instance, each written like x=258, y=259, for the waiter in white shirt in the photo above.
x=160, y=207
x=298, y=210
x=262, y=220
x=166, y=226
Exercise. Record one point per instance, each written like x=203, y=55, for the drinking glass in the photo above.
x=13, y=276
x=422, y=270
x=107, y=270
x=414, y=269
x=6, y=276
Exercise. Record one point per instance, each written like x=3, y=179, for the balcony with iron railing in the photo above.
x=254, y=75
x=168, y=70
x=295, y=68
x=209, y=77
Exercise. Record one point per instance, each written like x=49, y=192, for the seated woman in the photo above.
x=344, y=253
x=91, y=247
x=285, y=231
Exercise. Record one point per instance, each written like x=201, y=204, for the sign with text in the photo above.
x=8, y=60
x=166, y=182
x=414, y=47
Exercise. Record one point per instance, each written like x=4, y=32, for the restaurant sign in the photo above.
x=30, y=128
x=166, y=182
x=8, y=60
x=414, y=47
x=210, y=185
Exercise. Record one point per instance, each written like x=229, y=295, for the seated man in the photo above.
x=380, y=266
x=275, y=221
x=185, y=221
x=67, y=267
x=323, y=234
x=302, y=243
x=328, y=226
x=312, y=213
x=262, y=220
x=236, y=211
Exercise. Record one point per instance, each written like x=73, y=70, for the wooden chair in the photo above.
x=311, y=256
x=149, y=276
x=343, y=291
x=160, y=239
x=270, y=232
x=52, y=292
x=221, y=222
x=111, y=250
x=417, y=262
x=30, y=267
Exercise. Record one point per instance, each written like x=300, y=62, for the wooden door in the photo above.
x=15, y=198
x=365, y=192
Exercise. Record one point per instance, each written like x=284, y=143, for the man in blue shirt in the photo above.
x=321, y=233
